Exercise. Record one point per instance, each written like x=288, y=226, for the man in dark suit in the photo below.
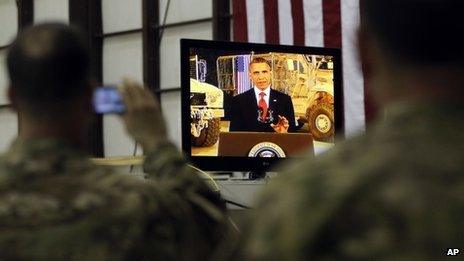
x=261, y=108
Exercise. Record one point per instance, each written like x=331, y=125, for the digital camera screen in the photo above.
x=107, y=100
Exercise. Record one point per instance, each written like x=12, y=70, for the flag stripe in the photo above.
x=240, y=20
x=298, y=22
x=332, y=23
x=242, y=83
x=353, y=83
x=285, y=22
x=255, y=18
x=271, y=19
x=314, y=30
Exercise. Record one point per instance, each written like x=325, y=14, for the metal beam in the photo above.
x=171, y=25
x=25, y=13
x=119, y=33
x=190, y=22
x=221, y=20
x=167, y=90
x=25, y=18
x=151, y=45
x=87, y=15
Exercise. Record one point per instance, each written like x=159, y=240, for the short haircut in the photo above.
x=259, y=60
x=48, y=65
x=417, y=32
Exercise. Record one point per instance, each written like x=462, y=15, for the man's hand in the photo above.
x=281, y=126
x=142, y=117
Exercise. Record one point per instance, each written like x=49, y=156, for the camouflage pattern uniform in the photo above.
x=55, y=204
x=396, y=193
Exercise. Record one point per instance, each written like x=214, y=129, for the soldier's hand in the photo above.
x=142, y=117
x=281, y=126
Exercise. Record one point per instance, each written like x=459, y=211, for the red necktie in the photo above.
x=263, y=105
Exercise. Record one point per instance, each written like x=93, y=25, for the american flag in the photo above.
x=322, y=23
x=242, y=80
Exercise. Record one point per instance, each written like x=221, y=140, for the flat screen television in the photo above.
x=246, y=107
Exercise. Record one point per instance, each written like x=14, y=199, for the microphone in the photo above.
x=260, y=114
x=264, y=114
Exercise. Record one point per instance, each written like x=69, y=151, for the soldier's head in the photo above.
x=419, y=39
x=48, y=67
x=260, y=73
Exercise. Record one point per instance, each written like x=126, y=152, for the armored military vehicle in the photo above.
x=206, y=109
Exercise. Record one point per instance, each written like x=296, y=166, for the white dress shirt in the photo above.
x=267, y=91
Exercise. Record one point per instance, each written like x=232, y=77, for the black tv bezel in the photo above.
x=218, y=163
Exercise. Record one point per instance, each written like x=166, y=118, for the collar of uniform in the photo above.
x=414, y=116
x=41, y=145
x=36, y=157
x=444, y=109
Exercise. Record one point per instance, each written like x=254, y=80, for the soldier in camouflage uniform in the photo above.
x=396, y=193
x=55, y=204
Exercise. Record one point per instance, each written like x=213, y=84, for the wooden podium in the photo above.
x=240, y=144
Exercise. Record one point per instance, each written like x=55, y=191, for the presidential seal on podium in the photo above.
x=266, y=150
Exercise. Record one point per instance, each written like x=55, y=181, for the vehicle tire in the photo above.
x=321, y=121
x=208, y=136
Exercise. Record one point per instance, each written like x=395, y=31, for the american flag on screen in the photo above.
x=323, y=23
x=242, y=80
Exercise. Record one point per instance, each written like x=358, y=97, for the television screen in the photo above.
x=246, y=106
